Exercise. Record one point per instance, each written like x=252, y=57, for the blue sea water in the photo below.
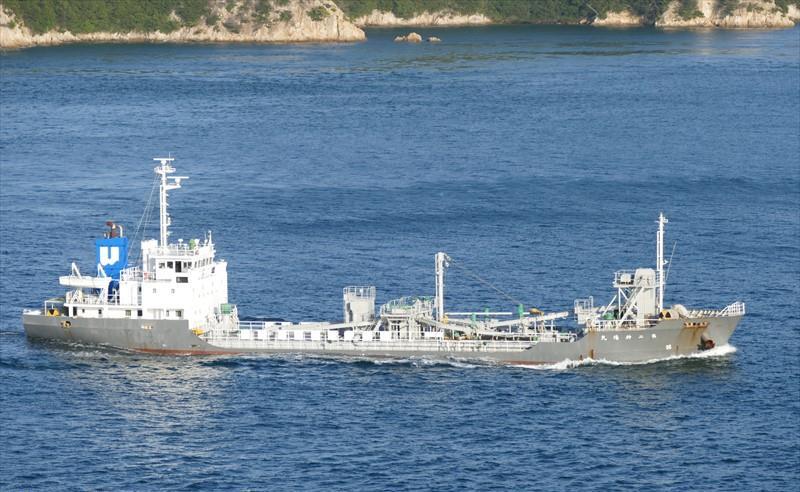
x=539, y=157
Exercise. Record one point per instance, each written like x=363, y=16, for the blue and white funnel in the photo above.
x=111, y=252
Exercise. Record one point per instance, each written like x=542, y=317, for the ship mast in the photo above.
x=441, y=263
x=662, y=220
x=167, y=183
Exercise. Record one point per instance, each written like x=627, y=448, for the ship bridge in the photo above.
x=180, y=280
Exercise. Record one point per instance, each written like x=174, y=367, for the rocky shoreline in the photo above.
x=295, y=22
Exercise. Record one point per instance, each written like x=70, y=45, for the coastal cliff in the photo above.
x=745, y=14
x=262, y=21
x=380, y=18
x=612, y=13
x=25, y=23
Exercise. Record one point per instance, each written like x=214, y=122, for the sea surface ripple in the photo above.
x=538, y=157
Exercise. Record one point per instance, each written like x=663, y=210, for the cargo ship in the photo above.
x=174, y=300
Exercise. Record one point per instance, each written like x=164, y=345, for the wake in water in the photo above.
x=716, y=352
x=391, y=361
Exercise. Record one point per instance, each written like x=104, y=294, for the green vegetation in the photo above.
x=783, y=5
x=318, y=13
x=688, y=9
x=261, y=10
x=81, y=16
x=536, y=11
x=533, y=11
x=726, y=7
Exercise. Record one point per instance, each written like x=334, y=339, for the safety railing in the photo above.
x=270, y=341
x=735, y=309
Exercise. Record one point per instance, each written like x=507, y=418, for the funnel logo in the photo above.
x=109, y=255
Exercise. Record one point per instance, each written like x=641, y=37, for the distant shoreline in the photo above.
x=320, y=21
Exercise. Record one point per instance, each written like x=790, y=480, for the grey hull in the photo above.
x=665, y=339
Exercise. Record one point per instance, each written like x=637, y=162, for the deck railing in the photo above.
x=735, y=309
x=269, y=340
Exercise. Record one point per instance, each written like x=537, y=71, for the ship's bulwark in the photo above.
x=665, y=339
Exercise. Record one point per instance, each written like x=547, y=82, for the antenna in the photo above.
x=662, y=220
x=669, y=263
x=167, y=183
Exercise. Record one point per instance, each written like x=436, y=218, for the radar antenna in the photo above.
x=167, y=183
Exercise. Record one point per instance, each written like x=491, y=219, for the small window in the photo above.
x=100, y=312
x=307, y=336
x=173, y=291
x=170, y=264
x=178, y=266
x=83, y=311
x=161, y=265
x=74, y=311
x=182, y=280
x=290, y=335
x=154, y=291
x=140, y=288
x=179, y=314
x=139, y=313
x=127, y=313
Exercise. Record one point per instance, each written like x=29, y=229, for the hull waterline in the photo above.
x=665, y=339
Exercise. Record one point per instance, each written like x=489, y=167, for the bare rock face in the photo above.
x=378, y=18
x=748, y=14
x=411, y=37
x=625, y=18
x=233, y=22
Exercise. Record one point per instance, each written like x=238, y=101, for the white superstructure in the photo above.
x=180, y=280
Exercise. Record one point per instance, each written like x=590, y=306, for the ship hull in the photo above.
x=666, y=339
x=142, y=335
